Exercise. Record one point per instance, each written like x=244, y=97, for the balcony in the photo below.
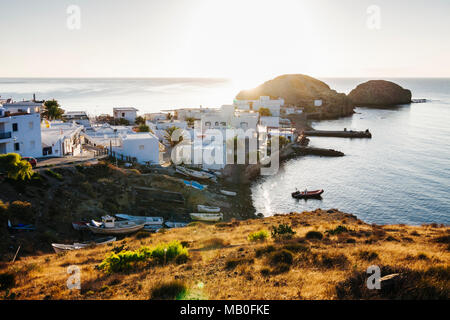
x=5, y=135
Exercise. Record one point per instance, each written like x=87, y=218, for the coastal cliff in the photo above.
x=301, y=90
x=379, y=93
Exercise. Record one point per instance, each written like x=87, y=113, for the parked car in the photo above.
x=31, y=160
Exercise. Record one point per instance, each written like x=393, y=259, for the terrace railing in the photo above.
x=5, y=135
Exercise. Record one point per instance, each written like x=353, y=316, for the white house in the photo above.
x=273, y=105
x=125, y=143
x=127, y=113
x=60, y=139
x=156, y=116
x=20, y=130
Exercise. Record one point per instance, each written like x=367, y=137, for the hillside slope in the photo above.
x=326, y=258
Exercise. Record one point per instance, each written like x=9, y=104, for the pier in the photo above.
x=338, y=134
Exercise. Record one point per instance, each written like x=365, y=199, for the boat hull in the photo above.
x=212, y=217
x=141, y=219
x=116, y=231
x=202, y=208
x=310, y=194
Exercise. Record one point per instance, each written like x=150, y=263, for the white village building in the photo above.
x=273, y=105
x=20, y=130
x=127, y=113
x=124, y=143
x=61, y=139
x=79, y=117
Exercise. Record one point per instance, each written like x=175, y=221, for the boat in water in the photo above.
x=141, y=219
x=80, y=245
x=209, y=217
x=110, y=226
x=173, y=224
x=203, y=208
x=308, y=194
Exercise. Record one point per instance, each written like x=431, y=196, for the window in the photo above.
x=15, y=127
x=17, y=146
x=123, y=114
x=208, y=124
x=30, y=125
x=223, y=124
x=216, y=124
x=32, y=144
x=141, y=147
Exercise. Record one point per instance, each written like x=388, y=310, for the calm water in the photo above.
x=401, y=175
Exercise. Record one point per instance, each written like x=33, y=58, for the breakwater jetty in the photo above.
x=338, y=134
x=301, y=150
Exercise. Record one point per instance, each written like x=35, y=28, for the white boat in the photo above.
x=152, y=227
x=212, y=217
x=110, y=226
x=228, y=193
x=76, y=246
x=194, y=173
x=173, y=224
x=141, y=219
x=202, y=208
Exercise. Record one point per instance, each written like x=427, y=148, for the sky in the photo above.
x=238, y=39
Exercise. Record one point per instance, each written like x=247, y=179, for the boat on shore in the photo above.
x=21, y=226
x=174, y=224
x=152, y=227
x=194, y=184
x=203, y=208
x=228, y=193
x=110, y=226
x=309, y=194
x=209, y=217
x=57, y=247
x=194, y=173
x=141, y=219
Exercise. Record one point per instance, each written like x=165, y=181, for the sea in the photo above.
x=401, y=175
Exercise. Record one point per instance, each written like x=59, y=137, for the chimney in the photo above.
x=34, y=97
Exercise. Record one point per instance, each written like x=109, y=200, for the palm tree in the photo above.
x=52, y=110
x=168, y=135
x=15, y=167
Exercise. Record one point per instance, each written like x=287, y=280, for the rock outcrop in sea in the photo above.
x=301, y=90
x=379, y=93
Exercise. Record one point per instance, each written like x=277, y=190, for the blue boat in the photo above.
x=194, y=184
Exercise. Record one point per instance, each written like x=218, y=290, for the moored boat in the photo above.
x=21, y=226
x=308, y=194
x=141, y=219
x=203, y=208
x=211, y=217
x=110, y=226
x=76, y=246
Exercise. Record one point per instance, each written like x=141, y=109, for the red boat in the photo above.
x=308, y=194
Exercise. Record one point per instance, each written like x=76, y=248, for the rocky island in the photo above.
x=380, y=93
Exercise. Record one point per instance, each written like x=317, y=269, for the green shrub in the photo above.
x=283, y=231
x=16, y=168
x=174, y=290
x=261, y=235
x=281, y=257
x=125, y=260
x=314, y=235
x=7, y=281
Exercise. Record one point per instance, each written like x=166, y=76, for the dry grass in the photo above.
x=222, y=261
